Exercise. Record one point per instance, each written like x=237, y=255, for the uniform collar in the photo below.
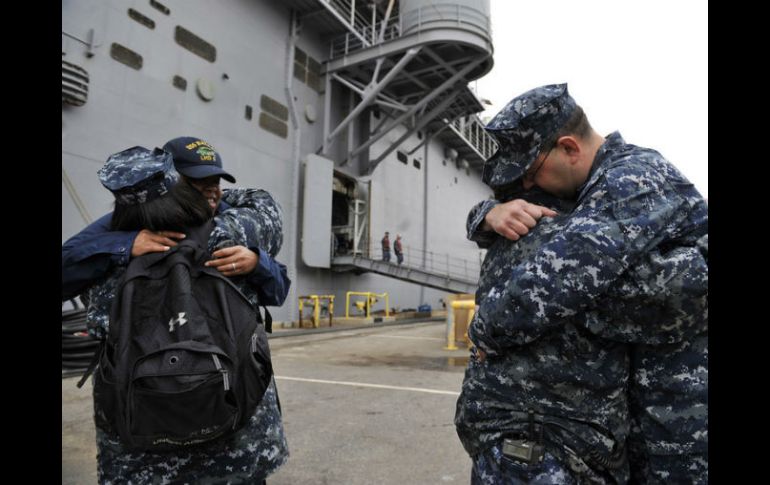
x=612, y=142
x=223, y=206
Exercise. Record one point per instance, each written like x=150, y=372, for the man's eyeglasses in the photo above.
x=529, y=175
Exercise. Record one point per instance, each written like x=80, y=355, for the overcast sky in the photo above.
x=639, y=67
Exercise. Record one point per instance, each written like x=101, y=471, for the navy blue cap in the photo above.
x=196, y=158
x=137, y=175
x=522, y=128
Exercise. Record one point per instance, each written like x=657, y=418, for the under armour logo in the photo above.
x=180, y=320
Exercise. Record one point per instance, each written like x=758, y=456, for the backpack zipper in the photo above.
x=253, y=342
x=222, y=370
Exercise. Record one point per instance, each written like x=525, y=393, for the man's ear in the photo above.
x=568, y=143
x=571, y=147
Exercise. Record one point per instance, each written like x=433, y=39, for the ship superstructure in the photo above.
x=356, y=116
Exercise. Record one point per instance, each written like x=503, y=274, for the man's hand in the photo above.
x=234, y=261
x=480, y=355
x=154, y=242
x=513, y=219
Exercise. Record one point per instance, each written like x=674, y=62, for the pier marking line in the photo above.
x=365, y=384
x=407, y=337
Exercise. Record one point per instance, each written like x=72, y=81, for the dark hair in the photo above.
x=182, y=207
x=577, y=124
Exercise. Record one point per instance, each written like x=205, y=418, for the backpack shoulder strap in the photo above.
x=94, y=361
x=268, y=322
x=201, y=233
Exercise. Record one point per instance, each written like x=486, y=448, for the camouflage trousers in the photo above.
x=491, y=467
x=150, y=469
x=247, y=457
x=685, y=468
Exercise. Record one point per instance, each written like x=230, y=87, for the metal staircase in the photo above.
x=410, y=60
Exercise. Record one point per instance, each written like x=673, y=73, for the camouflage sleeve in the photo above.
x=703, y=247
x=624, y=216
x=662, y=299
x=475, y=220
x=668, y=402
x=255, y=220
x=98, y=300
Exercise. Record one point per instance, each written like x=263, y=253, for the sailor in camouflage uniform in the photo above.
x=94, y=251
x=253, y=220
x=573, y=381
x=626, y=264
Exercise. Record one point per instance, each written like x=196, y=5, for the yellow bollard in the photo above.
x=450, y=332
x=387, y=305
x=450, y=317
x=316, y=299
x=316, y=311
x=371, y=299
x=300, y=311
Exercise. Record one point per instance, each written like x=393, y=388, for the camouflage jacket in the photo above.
x=252, y=453
x=253, y=219
x=92, y=253
x=631, y=268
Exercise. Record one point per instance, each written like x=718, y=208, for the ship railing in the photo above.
x=462, y=16
x=349, y=42
x=471, y=129
x=443, y=264
x=348, y=11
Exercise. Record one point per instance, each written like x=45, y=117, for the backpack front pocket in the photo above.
x=180, y=397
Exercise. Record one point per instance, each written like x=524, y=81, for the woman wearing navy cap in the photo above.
x=150, y=195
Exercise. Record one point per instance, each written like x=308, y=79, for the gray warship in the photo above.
x=357, y=116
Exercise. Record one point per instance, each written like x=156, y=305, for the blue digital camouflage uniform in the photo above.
x=661, y=306
x=632, y=265
x=93, y=252
x=631, y=260
x=252, y=453
x=137, y=175
x=90, y=254
x=255, y=220
x=522, y=129
x=573, y=380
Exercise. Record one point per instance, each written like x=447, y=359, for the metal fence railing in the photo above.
x=347, y=10
x=462, y=16
x=443, y=264
x=471, y=129
x=349, y=42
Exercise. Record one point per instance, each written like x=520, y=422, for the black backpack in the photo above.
x=186, y=360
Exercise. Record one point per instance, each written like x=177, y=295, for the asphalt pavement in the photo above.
x=360, y=406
